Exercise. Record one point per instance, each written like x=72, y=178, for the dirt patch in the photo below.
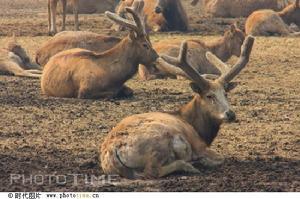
x=51, y=136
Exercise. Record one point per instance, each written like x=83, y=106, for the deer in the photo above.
x=224, y=48
x=269, y=22
x=157, y=144
x=70, y=39
x=84, y=74
x=239, y=8
x=162, y=15
x=15, y=61
x=52, y=6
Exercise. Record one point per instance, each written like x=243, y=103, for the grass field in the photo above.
x=40, y=135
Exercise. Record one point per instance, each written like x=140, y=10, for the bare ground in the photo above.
x=49, y=136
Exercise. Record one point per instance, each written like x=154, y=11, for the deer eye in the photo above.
x=210, y=96
x=145, y=46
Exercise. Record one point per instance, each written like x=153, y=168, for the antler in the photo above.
x=135, y=10
x=181, y=61
x=227, y=73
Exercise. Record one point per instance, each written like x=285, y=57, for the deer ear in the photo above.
x=233, y=28
x=132, y=35
x=196, y=88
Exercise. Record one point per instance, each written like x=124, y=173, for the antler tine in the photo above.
x=135, y=11
x=214, y=60
x=181, y=61
x=123, y=22
x=242, y=62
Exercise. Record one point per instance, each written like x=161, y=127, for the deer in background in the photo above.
x=157, y=144
x=162, y=15
x=269, y=22
x=85, y=74
x=225, y=47
x=15, y=61
x=52, y=6
x=69, y=39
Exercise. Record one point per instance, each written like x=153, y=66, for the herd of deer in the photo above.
x=87, y=65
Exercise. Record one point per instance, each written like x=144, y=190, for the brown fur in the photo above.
x=239, y=8
x=230, y=44
x=15, y=61
x=153, y=145
x=52, y=6
x=86, y=74
x=269, y=22
x=172, y=15
x=69, y=40
x=92, y=6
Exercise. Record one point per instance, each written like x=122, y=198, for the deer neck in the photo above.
x=221, y=49
x=122, y=59
x=205, y=124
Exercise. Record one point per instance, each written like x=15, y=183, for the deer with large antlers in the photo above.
x=224, y=48
x=158, y=144
x=15, y=61
x=86, y=74
x=52, y=6
x=269, y=22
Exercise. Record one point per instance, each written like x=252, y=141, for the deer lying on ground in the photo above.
x=269, y=22
x=52, y=6
x=86, y=74
x=15, y=61
x=162, y=15
x=230, y=44
x=158, y=144
x=239, y=8
x=68, y=40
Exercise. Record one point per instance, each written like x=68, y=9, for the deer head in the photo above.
x=234, y=38
x=138, y=34
x=210, y=89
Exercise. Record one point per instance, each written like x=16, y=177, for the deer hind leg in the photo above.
x=210, y=158
x=178, y=165
x=125, y=91
x=64, y=13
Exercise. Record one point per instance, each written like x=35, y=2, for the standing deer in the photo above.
x=269, y=22
x=158, y=144
x=52, y=6
x=86, y=74
x=230, y=44
x=162, y=15
x=15, y=61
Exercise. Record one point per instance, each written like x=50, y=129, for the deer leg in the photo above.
x=210, y=158
x=33, y=71
x=125, y=92
x=75, y=12
x=64, y=13
x=53, y=6
x=49, y=17
x=178, y=165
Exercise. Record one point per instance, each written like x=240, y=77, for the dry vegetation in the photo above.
x=41, y=135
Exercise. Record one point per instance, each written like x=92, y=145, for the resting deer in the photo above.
x=269, y=22
x=230, y=44
x=15, y=61
x=86, y=74
x=158, y=144
x=52, y=6
x=162, y=15
x=68, y=40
